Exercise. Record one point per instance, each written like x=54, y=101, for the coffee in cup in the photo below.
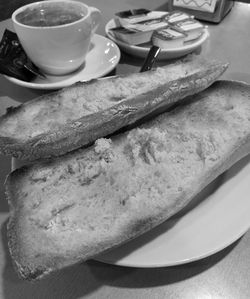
x=56, y=34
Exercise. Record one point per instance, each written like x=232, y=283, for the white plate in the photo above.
x=101, y=59
x=165, y=53
x=215, y=219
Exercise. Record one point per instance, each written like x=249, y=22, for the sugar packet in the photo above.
x=13, y=60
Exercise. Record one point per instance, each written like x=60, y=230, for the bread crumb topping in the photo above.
x=103, y=147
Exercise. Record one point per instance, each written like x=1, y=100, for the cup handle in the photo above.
x=96, y=17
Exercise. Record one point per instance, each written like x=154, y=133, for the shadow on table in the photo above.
x=72, y=283
x=153, y=277
x=132, y=64
x=5, y=163
x=20, y=94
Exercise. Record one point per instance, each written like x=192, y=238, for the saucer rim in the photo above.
x=62, y=84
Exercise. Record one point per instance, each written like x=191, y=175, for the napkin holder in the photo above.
x=203, y=12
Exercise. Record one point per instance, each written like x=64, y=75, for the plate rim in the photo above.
x=175, y=263
x=62, y=84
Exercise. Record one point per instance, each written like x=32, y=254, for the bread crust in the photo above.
x=156, y=89
x=169, y=159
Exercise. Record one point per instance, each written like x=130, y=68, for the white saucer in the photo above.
x=165, y=54
x=216, y=218
x=101, y=59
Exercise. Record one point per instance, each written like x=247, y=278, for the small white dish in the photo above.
x=216, y=218
x=102, y=58
x=165, y=54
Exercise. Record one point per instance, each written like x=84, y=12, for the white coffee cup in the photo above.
x=56, y=34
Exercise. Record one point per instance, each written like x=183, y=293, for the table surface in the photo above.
x=225, y=274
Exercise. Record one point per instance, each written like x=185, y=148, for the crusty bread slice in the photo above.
x=65, y=120
x=69, y=209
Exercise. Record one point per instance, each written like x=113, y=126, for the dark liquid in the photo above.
x=53, y=14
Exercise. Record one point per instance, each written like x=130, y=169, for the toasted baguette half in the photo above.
x=73, y=207
x=73, y=117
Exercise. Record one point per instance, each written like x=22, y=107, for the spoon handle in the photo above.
x=150, y=59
